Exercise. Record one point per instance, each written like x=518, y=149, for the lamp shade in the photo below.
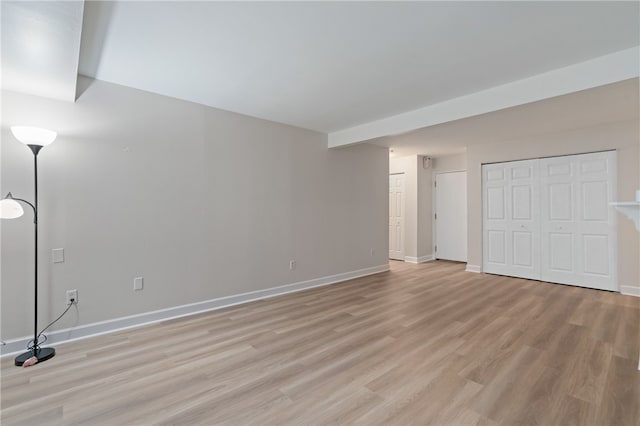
x=10, y=209
x=33, y=135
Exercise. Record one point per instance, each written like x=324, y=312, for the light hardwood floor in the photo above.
x=421, y=344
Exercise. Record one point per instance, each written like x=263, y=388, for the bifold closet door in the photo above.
x=578, y=228
x=511, y=219
x=549, y=219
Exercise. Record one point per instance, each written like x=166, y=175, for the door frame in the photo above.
x=404, y=204
x=434, y=189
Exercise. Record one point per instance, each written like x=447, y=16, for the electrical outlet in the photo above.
x=72, y=294
x=292, y=265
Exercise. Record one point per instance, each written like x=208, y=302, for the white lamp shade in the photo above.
x=10, y=209
x=33, y=135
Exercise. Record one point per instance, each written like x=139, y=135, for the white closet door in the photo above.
x=578, y=226
x=396, y=216
x=511, y=219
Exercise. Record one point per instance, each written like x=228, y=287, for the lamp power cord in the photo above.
x=34, y=345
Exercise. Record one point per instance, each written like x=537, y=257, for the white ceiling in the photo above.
x=333, y=65
x=326, y=66
x=40, y=47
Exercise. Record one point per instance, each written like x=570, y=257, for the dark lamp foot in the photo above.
x=42, y=354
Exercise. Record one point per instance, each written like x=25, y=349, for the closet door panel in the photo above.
x=578, y=229
x=511, y=219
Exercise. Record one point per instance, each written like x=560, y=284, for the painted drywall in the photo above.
x=450, y=163
x=425, y=210
x=200, y=202
x=623, y=137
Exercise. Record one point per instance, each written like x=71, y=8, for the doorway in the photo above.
x=396, y=216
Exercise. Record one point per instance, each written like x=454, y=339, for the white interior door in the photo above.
x=451, y=216
x=511, y=219
x=396, y=216
x=578, y=226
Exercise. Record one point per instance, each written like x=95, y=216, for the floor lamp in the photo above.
x=10, y=208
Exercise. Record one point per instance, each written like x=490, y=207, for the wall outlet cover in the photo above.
x=72, y=294
x=57, y=255
x=138, y=283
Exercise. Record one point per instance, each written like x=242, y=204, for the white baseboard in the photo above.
x=473, y=268
x=421, y=259
x=12, y=347
x=630, y=291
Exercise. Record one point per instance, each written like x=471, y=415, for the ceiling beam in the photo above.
x=607, y=69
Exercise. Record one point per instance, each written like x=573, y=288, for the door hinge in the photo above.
x=435, y=216
x=435, y=183
x=435, y=248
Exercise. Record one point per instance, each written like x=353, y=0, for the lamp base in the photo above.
x=42, y=354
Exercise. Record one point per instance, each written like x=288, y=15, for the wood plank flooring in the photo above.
x=421, y=344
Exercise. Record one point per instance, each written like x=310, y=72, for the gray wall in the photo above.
x=201, y=202
x=425, y=209
x=450, y=163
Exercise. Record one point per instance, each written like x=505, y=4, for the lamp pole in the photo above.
x=42, y=354
x=35, y=138
x=36, y=348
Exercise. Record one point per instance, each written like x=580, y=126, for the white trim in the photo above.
x=434, y=189
x=596, y=72
x=629, y=290
x=473, y=268
x=421, y=259
x=103, y=327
